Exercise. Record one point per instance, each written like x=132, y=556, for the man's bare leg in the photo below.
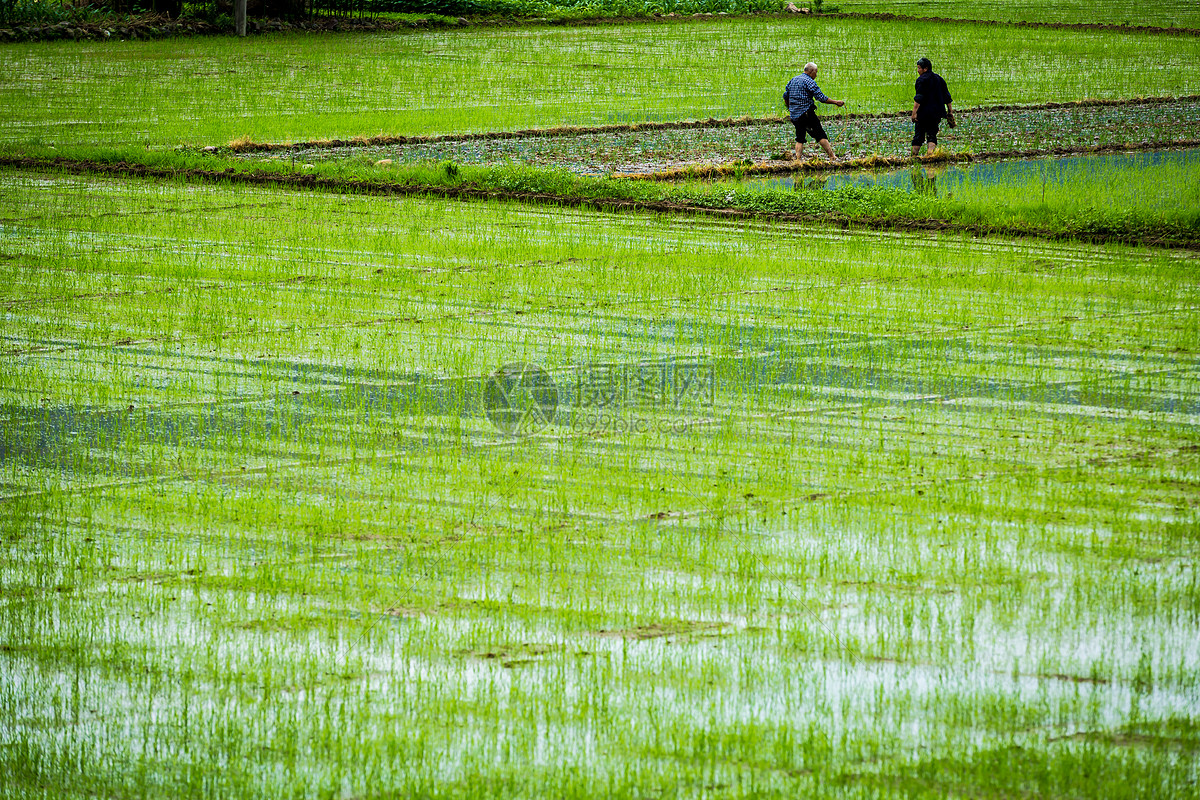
x=828, y=148
x=916, y=150
x=930, y=147
x=799, y=152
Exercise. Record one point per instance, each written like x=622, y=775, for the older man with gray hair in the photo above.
x=799, y=97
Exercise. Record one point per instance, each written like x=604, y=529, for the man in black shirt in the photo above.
x=931, y=103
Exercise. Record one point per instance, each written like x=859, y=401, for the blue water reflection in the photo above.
x=946, y=179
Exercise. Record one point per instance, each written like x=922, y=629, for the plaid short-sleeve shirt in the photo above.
x=799, y=95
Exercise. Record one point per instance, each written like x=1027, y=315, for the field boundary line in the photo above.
x=389, y=189
x=878, y=16
x=245, y=146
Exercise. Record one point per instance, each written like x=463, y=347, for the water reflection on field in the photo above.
x=944, y=180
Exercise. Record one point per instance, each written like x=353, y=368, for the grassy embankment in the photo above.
x=930, y=528
x=1119, y=202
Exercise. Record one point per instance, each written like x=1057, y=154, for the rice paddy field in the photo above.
x=314, y=493
x=297, y=88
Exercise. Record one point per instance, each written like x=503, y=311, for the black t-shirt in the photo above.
x=933, y=95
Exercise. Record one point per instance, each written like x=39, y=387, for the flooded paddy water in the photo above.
x=357, y=495
x=679, y=393
x=947, y=180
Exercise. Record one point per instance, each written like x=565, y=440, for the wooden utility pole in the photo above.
x=239, y=16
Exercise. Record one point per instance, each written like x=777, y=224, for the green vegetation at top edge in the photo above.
x=297, y=88
x=47, y=12
x=542, y=10
x=1171, y=13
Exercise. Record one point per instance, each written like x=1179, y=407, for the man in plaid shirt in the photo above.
x=799, y=97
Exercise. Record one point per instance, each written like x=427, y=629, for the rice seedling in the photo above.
x=816, y=514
